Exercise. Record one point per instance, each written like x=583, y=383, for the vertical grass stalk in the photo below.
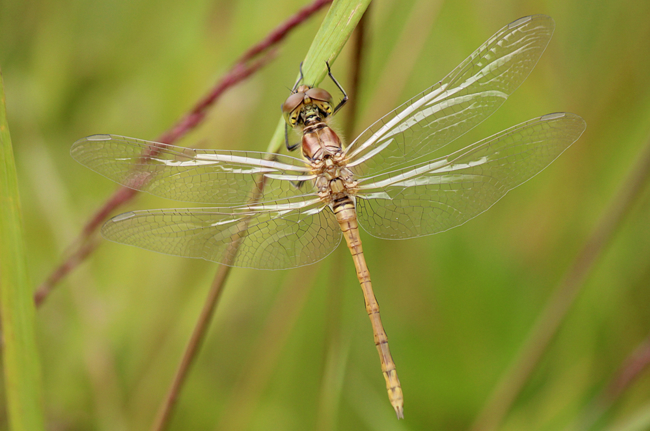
x=19, y=352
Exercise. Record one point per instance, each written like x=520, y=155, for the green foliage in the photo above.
x=19, y=352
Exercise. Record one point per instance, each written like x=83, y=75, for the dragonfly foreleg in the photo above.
x=345, y=95
x=297, y=184
x=293, y=90
x=290, y=147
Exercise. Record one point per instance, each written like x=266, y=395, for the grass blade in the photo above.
x=20, y=357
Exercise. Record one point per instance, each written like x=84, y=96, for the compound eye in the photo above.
x=319, y=94
x=292, y=103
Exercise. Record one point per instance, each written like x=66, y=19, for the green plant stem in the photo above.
x=258, y=367
x=193, y=346
x=20, y=355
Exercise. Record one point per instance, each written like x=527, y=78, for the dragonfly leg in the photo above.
x=345, y=95
x=293, y=90
x=297, y=184
x=290, y=147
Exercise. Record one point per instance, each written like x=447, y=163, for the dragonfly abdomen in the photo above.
x=346, y=215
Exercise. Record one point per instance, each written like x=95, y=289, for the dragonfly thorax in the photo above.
x=333, y=179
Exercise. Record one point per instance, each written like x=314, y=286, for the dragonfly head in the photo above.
x=307, y=105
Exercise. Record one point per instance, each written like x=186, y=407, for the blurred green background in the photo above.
x=293, y=350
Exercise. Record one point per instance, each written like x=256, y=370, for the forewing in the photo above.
x=438, y=195
x=453, y=106
x=194, y=175
x=263, y=236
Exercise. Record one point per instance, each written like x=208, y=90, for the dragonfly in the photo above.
x=397, y=179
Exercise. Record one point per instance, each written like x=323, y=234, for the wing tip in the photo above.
x=99, y=137
x=526, y=19
x=123, y=216
x=92, y=138
x=566, y=116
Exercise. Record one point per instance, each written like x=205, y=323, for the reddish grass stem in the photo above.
x=547, y=325
x=193, y=346
x=629, y=372
x=632, y=368
x=239, y=72
x=356, y=65
x=70, y=263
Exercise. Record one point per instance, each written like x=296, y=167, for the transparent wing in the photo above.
x=263, y=236
x=435, y=196
x=453, y=106
x=191, y=175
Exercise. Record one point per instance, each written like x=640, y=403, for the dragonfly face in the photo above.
x=398, y=179
x=306, y=106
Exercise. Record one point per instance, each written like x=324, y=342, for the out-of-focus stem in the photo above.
x=629, y=372
x=193, y=346
x=356, y=64
x=70, y=263
x=632, y=368
x=258, y=368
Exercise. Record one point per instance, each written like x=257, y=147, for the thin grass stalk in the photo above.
x=630, y=371
x=548, y=323
x=258, y=369
x=356, y=66
x=196, y=340
x=336, y=29
x=638, y=421
x=22, y=373
x=79, y=254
